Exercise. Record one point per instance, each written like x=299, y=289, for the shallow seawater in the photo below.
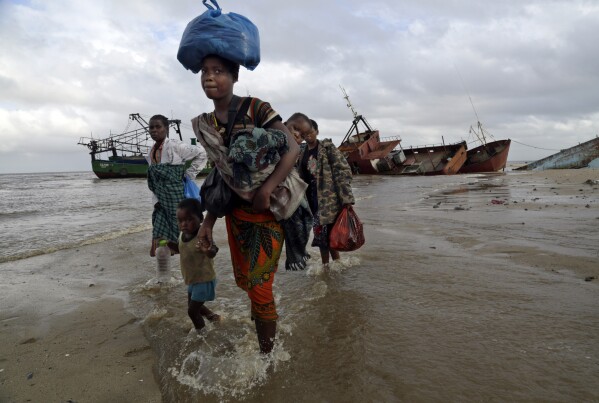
x=42, y=213
x=405, y=318
x=442, y=303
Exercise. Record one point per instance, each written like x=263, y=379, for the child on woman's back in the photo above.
x=197, y=266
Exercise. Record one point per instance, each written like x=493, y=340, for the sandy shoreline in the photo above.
x=67, y=332
x=541, y=219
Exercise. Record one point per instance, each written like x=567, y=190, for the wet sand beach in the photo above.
x=66, y=331
x=484, y=289
x=542, y=219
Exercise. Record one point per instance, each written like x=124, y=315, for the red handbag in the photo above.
x=347, y=233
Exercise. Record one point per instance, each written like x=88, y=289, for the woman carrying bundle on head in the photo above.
x=254, y=181
x=255, y=235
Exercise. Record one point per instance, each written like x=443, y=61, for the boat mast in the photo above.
x=480, y=134
x=349, y=105
x=357, y=118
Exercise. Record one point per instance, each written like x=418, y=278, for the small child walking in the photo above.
x=197, y=265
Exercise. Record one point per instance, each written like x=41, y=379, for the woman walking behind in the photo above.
x=166, y=161
x=328, y=175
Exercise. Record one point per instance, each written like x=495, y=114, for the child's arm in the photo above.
x=205, y=242
x=212, y=251
x=174, y=246
x=208, y=250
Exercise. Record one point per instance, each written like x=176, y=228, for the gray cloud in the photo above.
x=530, y=67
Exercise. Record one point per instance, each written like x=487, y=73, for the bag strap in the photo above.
x=235, y=113
x=232, y=114
x=205, y=2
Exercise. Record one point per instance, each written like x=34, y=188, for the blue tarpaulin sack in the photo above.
x=230, y=36
x=190, y=188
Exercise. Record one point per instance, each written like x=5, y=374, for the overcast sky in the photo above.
x=71, y=68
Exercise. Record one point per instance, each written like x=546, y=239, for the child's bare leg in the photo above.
x=335, y=254
x=208, y=314
x=324, y=255
x=194, y=310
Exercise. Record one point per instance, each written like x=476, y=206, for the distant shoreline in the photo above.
x=510, y=164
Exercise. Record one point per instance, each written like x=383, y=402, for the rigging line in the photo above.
x=126, y=127
x=475, y=141
x=484, y=132
x=540, y=148
x=146, y=117
x=467, y=93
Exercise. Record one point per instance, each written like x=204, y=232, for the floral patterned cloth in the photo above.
x=285, y=199
x=253, y=151
x=255, y=239
x=255, y=242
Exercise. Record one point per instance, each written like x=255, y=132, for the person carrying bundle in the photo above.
x=253, y=221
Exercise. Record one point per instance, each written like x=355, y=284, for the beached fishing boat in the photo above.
x=123, y=155
x=363, y=149
x=367, y=153
x=488, y=157
x=579, y=156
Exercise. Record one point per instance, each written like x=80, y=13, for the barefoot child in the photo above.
x=197, y=266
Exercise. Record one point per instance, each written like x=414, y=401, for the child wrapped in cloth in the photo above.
x=246, y=163
x=245, y=160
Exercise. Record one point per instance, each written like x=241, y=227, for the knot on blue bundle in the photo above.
x=229, y=35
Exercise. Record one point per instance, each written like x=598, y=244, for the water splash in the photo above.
x=155, y=316
x=224, y=362
x=334, y=267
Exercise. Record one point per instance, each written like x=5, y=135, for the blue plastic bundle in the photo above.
x=231, y=36
x=190, y=189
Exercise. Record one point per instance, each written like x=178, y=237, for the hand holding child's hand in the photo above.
x=202, y=246
x=205, y=236
x=205, y=242
x=261, y=202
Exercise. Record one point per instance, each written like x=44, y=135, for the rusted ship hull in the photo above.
x=433, y=160
x=490, y=157
x=364, y=148
x=358, y=165
x=368, y=154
